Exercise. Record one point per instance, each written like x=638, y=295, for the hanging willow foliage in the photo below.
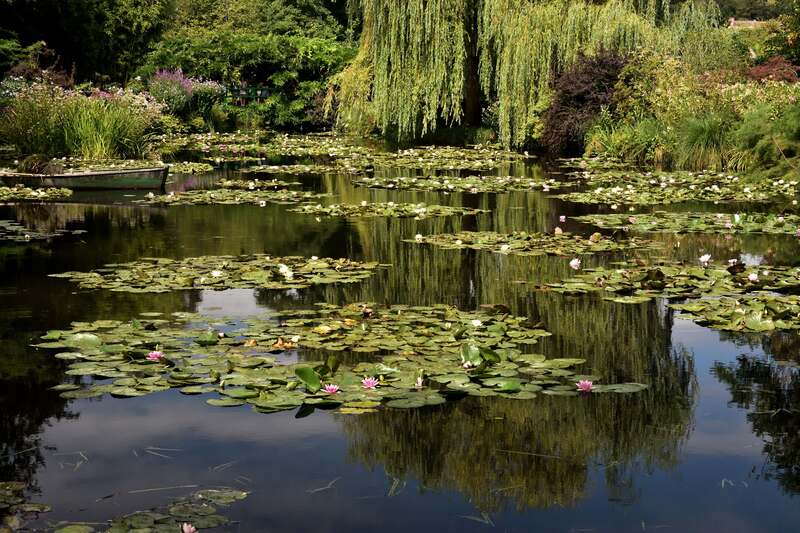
x=414, y=61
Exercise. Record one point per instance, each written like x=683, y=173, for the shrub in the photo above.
x=579, y=94
x=173, y=89
x=775, y=68
x=642, y=143
x=205, y=95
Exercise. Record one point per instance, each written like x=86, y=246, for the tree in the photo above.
x=427, y=63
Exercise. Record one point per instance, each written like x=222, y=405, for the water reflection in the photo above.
x=496, y=455
x=770, y=392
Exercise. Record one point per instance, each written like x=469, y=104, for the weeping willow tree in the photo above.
x=427, y=63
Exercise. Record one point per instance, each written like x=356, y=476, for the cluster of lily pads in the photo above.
x=14, y=507
x=298, y=169
x=530, y=244
x=15, y=232
x=653, y=188
x=386, y=209
x=411, y=356
x=754, y=313
x=662, y=221
x=189, y=514
x=636, y=283
x=20, y=193
x=191, y=168
x=231, y=197
x=221, y=272
x=345, y=154
x=469, y=184
x=256, y=184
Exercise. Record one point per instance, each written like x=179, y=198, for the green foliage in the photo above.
x=785, y=39
x=49, y=121
x=702, y=142
x=418, y=60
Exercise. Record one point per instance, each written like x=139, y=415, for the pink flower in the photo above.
x=330, y=388
x=562, y=218
x=584, y=385
x=155, y=356
x=188, y=528
x=369, y=383
x=632, y=220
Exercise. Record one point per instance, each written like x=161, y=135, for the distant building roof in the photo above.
x=745, y=24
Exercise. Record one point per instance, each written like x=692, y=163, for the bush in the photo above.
x=775, y=68
x=205, y=95
x=579, y=94
x=51, y=121
x=173, y=89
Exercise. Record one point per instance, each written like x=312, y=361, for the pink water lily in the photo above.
x=369, y=383
x=155, y=356
x=584, y=385
x=330, y=388
x=562, y=218
x=188, y=528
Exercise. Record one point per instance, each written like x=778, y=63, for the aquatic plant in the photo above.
x=689, y=222
x=222, y=272
x=467, y=184
x=230, y=197
x=20, y=193
x=386, y=209
x=530, y=244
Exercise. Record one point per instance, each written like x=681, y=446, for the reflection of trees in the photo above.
x=499, y=453
x=26, y=406
x=772, y=394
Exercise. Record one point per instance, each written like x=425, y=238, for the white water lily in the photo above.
x=575, y=264
x=705, y=259
x=732, y=262
x=314, y=257
x=753, y=277
x=477, y=323
x=262, y=203
x=614, y=207
x=459, y=242
x=737, y=217
x=295, y=338
x=505, y=248
x=363, y=203
x=216, y=273
x=418, y=237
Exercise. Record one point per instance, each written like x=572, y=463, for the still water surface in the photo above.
x=712, y=445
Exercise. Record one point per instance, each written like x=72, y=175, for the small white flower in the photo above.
x=562, y=219
x=295, y=338
x=614, y=207
x=737, y=217
x=575, y=264
x=732, y=262
x=459, y=242
x=314, y=257
x=476, y=323
x=418, y=237
x=363, y=203
x=262, y=203
x=505, y=248
x=704, y=259
x=216, y=273
x=753, y=277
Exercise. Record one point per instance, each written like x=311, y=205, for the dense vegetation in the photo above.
x=651, y=82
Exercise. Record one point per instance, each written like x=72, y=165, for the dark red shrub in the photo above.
x=775, y=68
x=580, y=93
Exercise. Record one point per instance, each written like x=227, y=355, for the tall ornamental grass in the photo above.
x=50, y=121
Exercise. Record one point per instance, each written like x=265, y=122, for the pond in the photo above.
x=712, y=443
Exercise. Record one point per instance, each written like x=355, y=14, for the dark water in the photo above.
x=712, y=445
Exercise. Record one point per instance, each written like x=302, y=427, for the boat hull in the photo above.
x=140, y=178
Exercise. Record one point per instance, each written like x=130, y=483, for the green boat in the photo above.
x=135, y=178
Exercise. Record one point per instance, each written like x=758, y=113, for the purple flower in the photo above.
x=330, y=388
x=584, y=385
x=155, y=356
x=369, y=383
